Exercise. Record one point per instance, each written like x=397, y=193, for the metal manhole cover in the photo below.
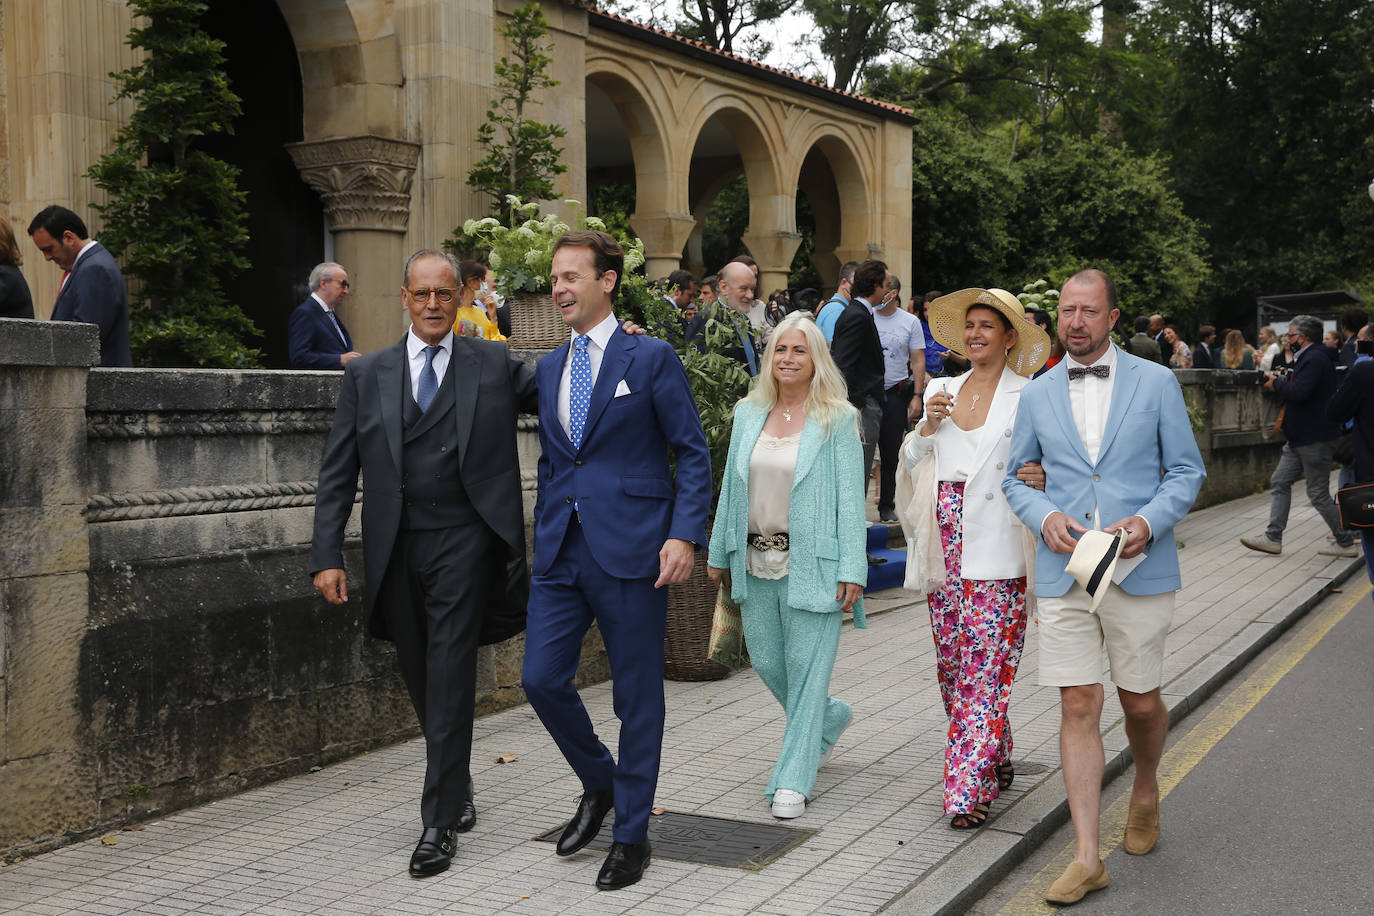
x=708, y=840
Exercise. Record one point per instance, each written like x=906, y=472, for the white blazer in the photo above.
x=992, y=547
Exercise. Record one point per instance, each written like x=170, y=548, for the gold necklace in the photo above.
x=787, y=412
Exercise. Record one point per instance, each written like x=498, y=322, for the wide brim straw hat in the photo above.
x=947, y=315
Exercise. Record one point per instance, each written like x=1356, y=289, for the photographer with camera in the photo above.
x=1305, y=391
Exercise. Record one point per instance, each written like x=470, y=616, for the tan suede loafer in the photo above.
x=1142, y=827
x=1076, y=883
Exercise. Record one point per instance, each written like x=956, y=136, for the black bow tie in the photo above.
x=1077, y=372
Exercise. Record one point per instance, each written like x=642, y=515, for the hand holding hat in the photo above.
x=1094, y=561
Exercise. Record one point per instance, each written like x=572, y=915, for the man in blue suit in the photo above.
x=93, y=288
x=317, y=336
x=1113, y=435
x=610, y=531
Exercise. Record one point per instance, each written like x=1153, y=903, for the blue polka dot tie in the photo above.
x=428, y=385
x=579, y=389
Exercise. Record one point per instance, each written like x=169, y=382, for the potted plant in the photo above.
x=521, y=258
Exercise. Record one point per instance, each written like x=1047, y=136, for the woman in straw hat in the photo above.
x=970, y=552
x=788, y=541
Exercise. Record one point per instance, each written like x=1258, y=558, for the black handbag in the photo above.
x=1356, y=505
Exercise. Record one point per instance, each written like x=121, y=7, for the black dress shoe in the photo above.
x=586, y=823
x=434, y=852
x=625, y=865
x=467, y=816
x=876, y=561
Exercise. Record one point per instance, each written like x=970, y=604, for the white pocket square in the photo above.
x=622, y=389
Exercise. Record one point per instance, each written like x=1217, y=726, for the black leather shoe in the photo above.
x=625, y=865
x=467, y=815
x=876, y=561
x=434, y=852
x=586, y=823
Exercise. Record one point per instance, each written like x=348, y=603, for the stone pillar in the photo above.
x=364, y=183
x=46, y=777
x=664, y=235
x=773, y=251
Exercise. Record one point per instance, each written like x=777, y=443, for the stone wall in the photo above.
x=160, y=640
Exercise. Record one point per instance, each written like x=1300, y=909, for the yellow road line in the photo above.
x=1190, y=750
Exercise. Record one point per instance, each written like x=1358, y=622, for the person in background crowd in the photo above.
x=93, y=288
x=1352, y=319
x=707, y=291
x=1156, y=331
x=1041, y=319
x=806, y=300
x=679, y=288
x=1129, y=464
x=1236, y=354
x=1269, y=348
x=15, y=300
x=758, y=309
x=1354, y=401
x=858, y=354
x=935, y=351
x=735, y=283
x=1142, y=344
x=789, y=544
x=779, y=305
x=315, y=332
x=904, y=385
x=1332, y=341
x=834, y=306
x=476, y=312
x=976, y=586
x=1311, y=440
x=1180, y=357
x=1202, y=353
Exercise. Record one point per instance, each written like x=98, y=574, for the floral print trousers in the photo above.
x=979, y=627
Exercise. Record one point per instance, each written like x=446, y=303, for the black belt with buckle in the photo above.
x=769, y=541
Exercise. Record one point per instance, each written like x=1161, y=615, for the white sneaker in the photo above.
x=787, y=803
x=1336, y=550
x=825, y=754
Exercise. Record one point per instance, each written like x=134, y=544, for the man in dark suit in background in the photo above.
x=92, y=286
x=1142, y=344
x=611, y=529
x=317, y=336
x=443, y=530
x=858, y=354
x=1311, y=440
x=735, y=287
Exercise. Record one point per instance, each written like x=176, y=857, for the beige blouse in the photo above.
x=772, y=467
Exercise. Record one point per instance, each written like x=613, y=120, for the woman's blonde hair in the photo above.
x=1233, y=354
x=828, y=399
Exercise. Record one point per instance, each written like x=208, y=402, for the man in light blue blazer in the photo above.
x=612, y=529
x=1112, y=433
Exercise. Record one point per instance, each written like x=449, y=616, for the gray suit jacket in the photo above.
x=491, y=387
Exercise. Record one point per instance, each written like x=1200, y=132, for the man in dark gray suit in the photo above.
x=92, y=286
x=443, y=525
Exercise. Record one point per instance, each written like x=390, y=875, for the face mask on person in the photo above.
x=1295, y=345
x=484, y=289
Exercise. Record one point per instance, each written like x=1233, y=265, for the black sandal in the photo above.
x=970, y=820
x=1006, y=775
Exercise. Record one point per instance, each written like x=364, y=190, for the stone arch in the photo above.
x=833, y=175
x=660, y=218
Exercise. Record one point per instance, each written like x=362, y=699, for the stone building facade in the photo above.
x=359, y=128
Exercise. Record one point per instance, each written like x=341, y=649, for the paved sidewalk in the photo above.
x=338, y=841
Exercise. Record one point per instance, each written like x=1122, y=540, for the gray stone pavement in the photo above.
x=338, y=840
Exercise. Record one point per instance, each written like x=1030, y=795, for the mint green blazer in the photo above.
x=826, y=516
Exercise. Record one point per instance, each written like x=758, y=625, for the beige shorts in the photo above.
x=1131, y=627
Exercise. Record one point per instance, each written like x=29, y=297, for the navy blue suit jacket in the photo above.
x=95, y=294
x=620, y=477
x=314, y=342
x=1305, y=392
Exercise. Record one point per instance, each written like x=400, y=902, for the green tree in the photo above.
x=719, y=23
x=1269, y=130
x=175, y=212
x=523, y=156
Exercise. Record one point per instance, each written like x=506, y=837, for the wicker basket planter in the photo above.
x=535, y=323
x=691, y=606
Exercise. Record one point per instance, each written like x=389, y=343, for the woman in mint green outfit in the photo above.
x=789, y=541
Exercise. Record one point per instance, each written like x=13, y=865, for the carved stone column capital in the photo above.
x=364, y=182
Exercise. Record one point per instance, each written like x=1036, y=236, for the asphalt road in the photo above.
x=1268, y=806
